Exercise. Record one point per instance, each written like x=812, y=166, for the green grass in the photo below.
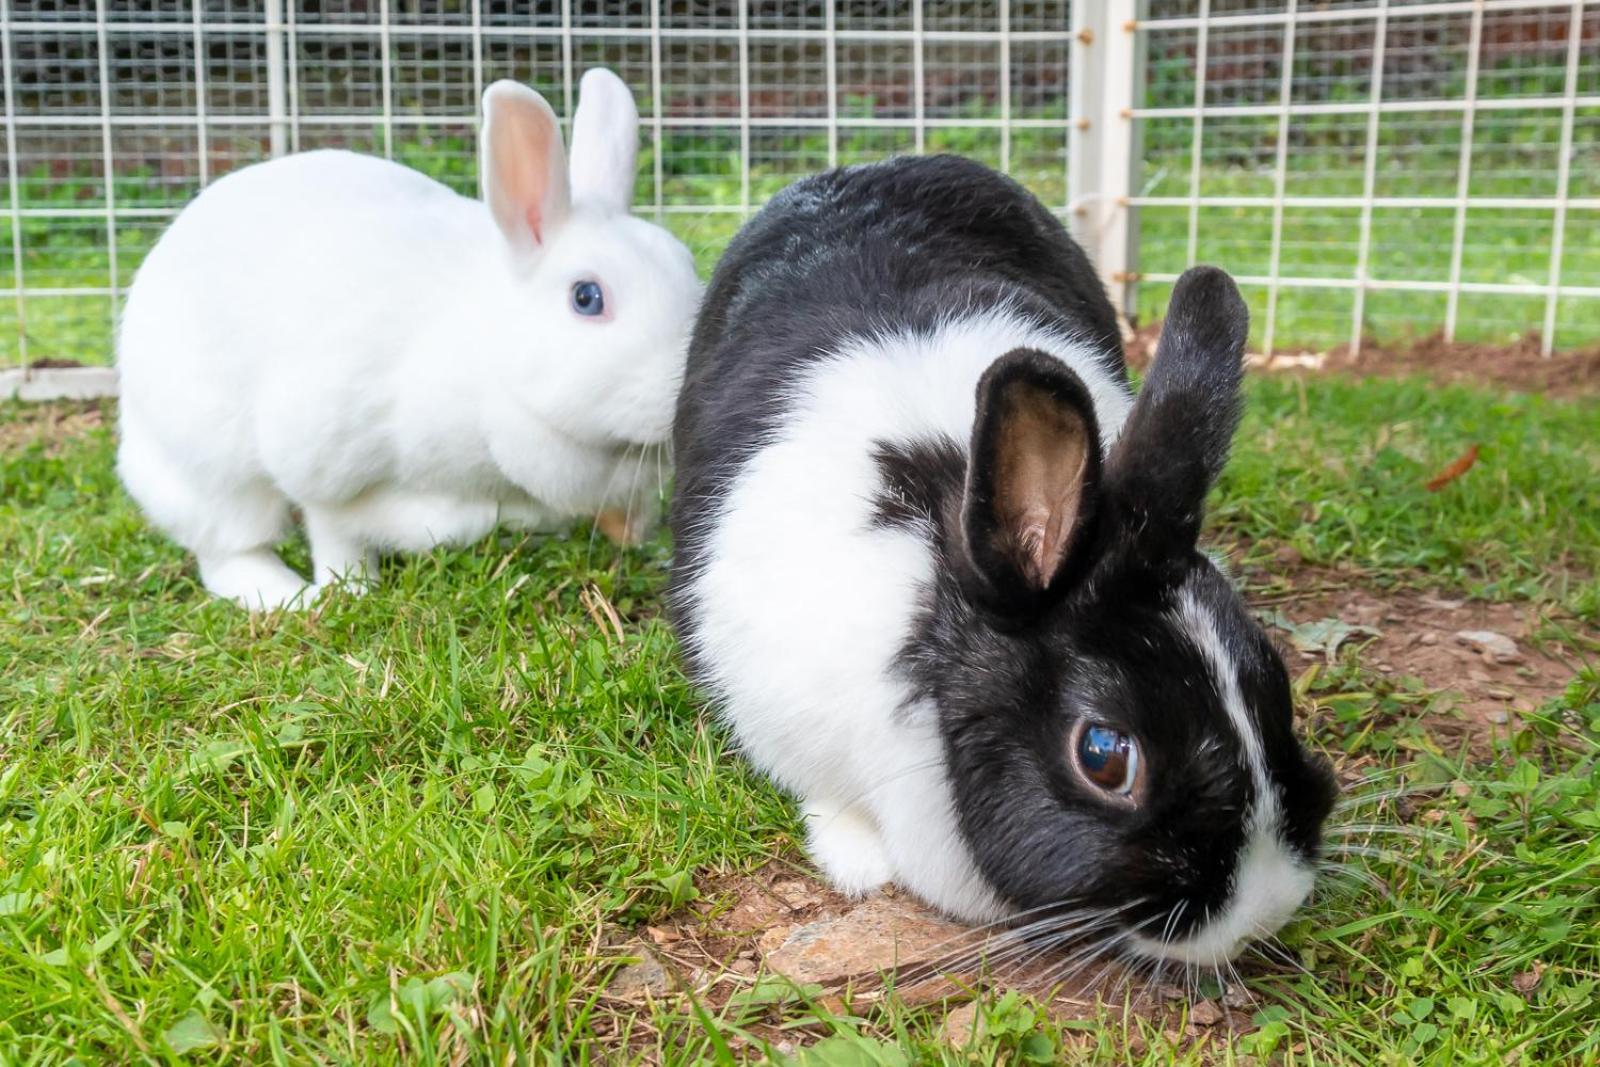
x=401, y=827
x=1337, y=469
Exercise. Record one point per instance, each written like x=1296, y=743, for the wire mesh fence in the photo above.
x=1369, y=169
x=1377, y=169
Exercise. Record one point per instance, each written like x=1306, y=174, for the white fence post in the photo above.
x=1547, y=336
x=1085, y=77
x=13, y=182
x=277, y=82
x=1103, y=86
x=108, y=157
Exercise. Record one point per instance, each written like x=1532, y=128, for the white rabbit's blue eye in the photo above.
x=1108, y=758
x=588, y=298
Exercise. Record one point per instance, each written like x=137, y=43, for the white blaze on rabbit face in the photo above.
x=1270, y=879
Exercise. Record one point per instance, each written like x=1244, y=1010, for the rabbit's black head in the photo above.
x=1118, y=727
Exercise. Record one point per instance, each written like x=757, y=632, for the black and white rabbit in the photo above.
x=938, y=568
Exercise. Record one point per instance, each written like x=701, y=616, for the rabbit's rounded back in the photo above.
x=939, y=569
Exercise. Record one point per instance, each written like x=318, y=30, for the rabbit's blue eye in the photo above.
x=1108, y=758
x=588, y=298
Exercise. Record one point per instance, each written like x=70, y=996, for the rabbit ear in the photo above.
x=522, y=165
x=1035, y=462
x=1177, y=436
x=605, y=141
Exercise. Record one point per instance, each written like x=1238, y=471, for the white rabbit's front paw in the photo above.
x=256, y=580
x=845, y=843
x=623, y=527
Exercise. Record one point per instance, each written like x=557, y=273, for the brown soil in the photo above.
x=1413, y=638
x=1518, y=366
x=52, y=423
x=750, y=936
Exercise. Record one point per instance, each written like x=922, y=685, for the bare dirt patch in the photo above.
x=781, y=935
x=52, y=424
x=1518, y=366
x=1487, y=663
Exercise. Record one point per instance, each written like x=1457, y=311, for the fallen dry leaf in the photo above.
x=1458, y=466
x=1526, y=982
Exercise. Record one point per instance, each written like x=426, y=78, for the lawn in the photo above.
x=415, y=826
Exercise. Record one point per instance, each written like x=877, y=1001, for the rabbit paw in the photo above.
x=621, y=527
x=847, y=846
x=256, y=580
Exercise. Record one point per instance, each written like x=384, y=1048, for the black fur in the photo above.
x=1187, y=413
x=903, y=245
x=897, y=245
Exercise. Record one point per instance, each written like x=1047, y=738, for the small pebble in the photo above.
x=1495, y=647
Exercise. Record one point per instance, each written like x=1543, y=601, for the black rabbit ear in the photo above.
x=1177, y=436
x=1032, y=474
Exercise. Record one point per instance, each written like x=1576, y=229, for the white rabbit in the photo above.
x=404, y=365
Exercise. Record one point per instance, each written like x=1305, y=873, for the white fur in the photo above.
x=344, y=335
x=802, y=663
x=1270, y=882
x=605, y=142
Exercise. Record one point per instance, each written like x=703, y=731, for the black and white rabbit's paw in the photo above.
x=845, y=843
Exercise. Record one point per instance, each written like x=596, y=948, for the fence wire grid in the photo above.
x=1368, y=169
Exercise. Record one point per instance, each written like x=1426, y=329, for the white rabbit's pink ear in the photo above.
x=522, y=165
x=605, y=141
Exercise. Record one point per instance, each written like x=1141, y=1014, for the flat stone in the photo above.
x=58, y=383
x=877, y=934
x=797, y=896
x=1495, y=647
x=642, y=980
